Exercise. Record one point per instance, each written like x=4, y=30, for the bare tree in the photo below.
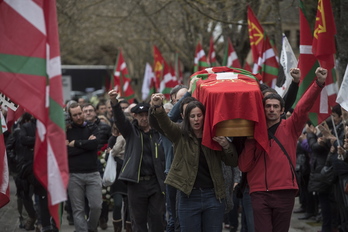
x=91, y=32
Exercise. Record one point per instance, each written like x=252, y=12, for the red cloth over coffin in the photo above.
x=230, y=95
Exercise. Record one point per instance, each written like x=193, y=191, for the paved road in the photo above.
x=9, y=219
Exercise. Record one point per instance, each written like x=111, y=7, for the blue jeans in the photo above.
x=171, y=208
x=89, y=185
x=247, y=215
x=200, y=211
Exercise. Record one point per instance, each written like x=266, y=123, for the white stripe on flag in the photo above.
x=232, y=57
x=56, y=187
x=256, y=68
x=199, y=55
x=31, y=12
x=125, y=86
x=54, y=67
x=269, y=53
x=213, y=55
x=324, y=102
x=117, y=73
x=41, y=130
x=226, y=76
x=209, y=70
x=5, y=175
x=332, y=89
x=123, y=66
x=3, y=124
x=342, y=96
x=306, y=49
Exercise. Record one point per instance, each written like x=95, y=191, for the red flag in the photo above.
x=158, y=66
x=230, y=57
x=200, y=61
x=308, y=64
x=178, y=71
x=324, y=50
x=247, y=67
x=122, y=82
x=324, y=35
x=265, y=61
x=211, y=59
x=30, y=73
x=4, y=172
x=165, y=74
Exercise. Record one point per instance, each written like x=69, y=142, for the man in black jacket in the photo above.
x=85, y=180
x=143, y=167
x=90, y=114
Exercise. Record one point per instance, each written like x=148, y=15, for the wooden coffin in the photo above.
x=235, y=128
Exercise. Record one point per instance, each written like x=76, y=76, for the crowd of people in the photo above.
x=168, y=181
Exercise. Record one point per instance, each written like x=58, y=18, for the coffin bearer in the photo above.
x=271, y=176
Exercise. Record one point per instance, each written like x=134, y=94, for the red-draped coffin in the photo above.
x=228, y=96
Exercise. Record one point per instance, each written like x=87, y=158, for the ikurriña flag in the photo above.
x=122, y=81
x=230, y=56
x=200, y=61
x=30, y=74
x=265, y=61
x=211, y=59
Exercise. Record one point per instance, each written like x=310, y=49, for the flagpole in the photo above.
x=334, y=127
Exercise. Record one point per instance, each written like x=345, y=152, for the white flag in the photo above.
x=342, y=96
x=148, y=76
x=287, y=60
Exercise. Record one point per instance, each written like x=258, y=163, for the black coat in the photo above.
x=134, y=149
x=83, y=156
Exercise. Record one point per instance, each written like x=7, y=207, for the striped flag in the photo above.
x=265, y=61
x=30, y=73
x=200, y=61
x=211, y=59
x=122, y=81
x=4, y=172
x=164, y=74
x=230, y=56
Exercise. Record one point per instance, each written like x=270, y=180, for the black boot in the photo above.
x=117, y=225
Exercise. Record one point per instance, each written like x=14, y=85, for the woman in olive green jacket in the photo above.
x=196, y=170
